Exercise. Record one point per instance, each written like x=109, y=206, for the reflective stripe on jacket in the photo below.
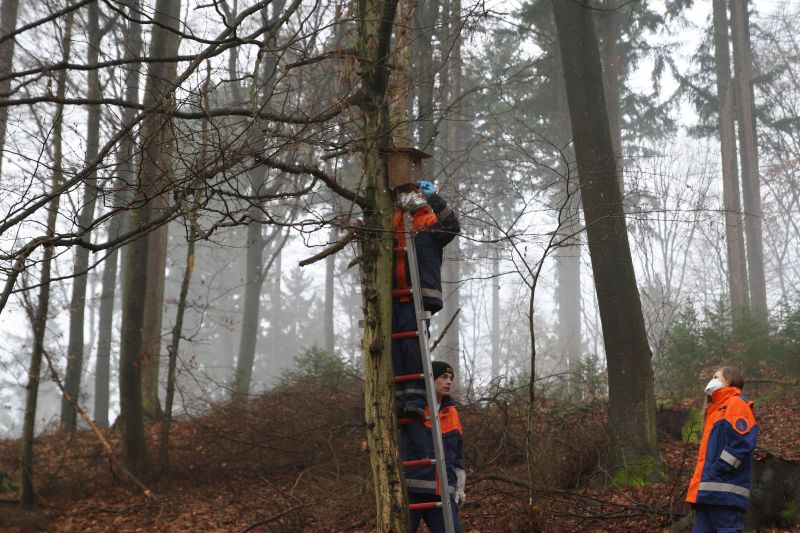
x=724, y=461
x=416, y=442
x=434, y=226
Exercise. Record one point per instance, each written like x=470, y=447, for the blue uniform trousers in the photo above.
x=434, y=518
x=717, y=519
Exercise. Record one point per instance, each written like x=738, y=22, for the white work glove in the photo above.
x=461, y=482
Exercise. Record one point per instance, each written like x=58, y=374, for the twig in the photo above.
x=277, y=516
x=444, y=331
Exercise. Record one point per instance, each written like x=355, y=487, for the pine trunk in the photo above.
x=330, y=267
x=748, y=152
x=630, y=377
x=737, y=270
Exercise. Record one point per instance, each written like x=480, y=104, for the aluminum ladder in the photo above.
x=427, y=376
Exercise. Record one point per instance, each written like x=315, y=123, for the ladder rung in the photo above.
x=401, y=292
x=418, y=462
x=399, y=249
x=424, y=505
x=408, y=377
x=408, y=421
x=404, y=335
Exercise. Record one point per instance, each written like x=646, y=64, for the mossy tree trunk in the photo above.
x=375, y=22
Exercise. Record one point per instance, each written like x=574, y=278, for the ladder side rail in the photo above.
x=438, y=445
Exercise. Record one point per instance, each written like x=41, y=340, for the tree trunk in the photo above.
x=737, y=270
x=496, y=356
x=42, y=305
x=156, y=166
x=157, y=169
x=425, y=21
x=163, y=452
x=630, y=376
x=72, y=380
x=451, y=349
x=610, y=20
x=126, y=169
x=375, y=20
x=330, y=267
x=748, y=152
x=568, y=254
x=255, y=269
x=8, y=23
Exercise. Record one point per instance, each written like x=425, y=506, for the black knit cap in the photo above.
x=440, y=367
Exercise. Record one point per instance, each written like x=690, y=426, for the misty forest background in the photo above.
x=168, y=166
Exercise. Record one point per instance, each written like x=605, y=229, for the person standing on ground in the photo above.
x=416, y=442
x=719, y=491
x=434, y=225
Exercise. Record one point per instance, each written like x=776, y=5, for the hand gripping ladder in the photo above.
x=427, y=376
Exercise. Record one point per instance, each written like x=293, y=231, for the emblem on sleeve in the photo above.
x=741, y=425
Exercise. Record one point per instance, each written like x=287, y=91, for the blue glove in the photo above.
x=426, y=188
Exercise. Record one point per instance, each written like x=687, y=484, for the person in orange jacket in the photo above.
x=435, y=225
x=416, y=442
x=719, y=490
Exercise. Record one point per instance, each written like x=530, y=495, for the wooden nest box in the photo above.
x=404, y=166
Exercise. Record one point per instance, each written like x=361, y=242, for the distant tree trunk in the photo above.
x=737, y=271
x=255, y=269
x=631, y=397
x=8, y=23
x=330, y=267
x=496, y=356
x=451, y=348
x=425, y=16
x=748, y=152
x=43, y=302
x=375, y=20
x=72, y=380
x=158, y=169
x=568, y=255
x=126, y=168
x=156, y=165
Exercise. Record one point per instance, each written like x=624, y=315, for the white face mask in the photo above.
x=411, y=201
x=714, y=385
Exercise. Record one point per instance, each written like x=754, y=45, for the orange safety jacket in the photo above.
x=431, y=234
x=724, y=462
x=416, y=442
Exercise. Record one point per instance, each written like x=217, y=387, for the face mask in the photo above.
x=411, y=201
x=714, y=385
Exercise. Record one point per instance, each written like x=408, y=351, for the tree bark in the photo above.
x=8, y=23
x=375, y=20
x=496, y=356
x=27, y=495
x=737, y=270
x=630, y=376
x=157, y=168
x=610, y=20
x=126, y=169
x=748, y=152
x=425, y=16
x=77, y=308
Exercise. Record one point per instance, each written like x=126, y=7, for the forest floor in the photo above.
x=295, y=460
